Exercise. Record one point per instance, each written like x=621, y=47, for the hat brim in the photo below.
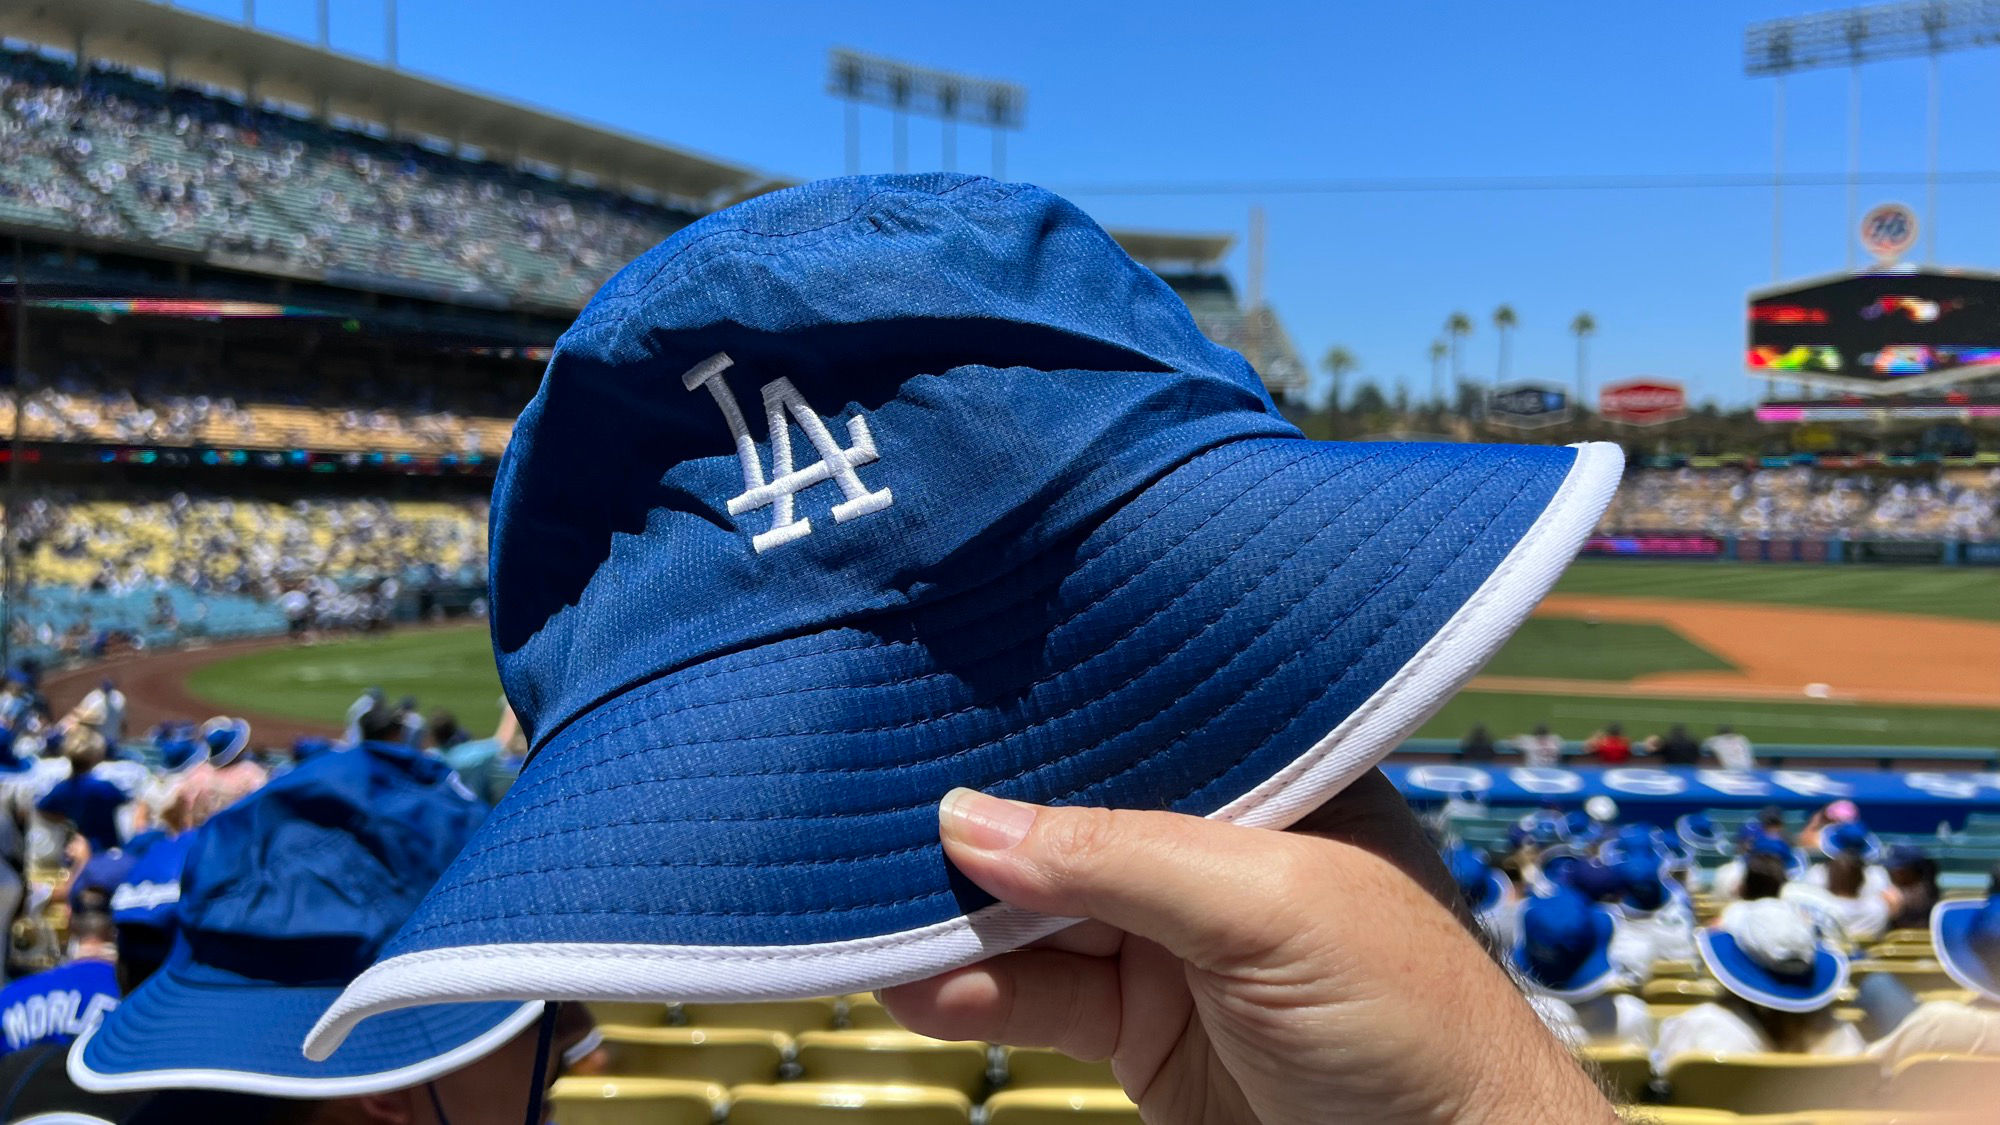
x=1240, y=640
x=1871, y=848
x=189, y=1027
x=1736, y=971
x=1593, y=978
x=1492, y=892
x=239, y=739
x=1951, y=932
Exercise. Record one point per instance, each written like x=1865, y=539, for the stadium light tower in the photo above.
x=902, y=88
x=1908, y=29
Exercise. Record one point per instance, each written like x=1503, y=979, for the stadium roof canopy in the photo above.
x=186, y=47
x=1166, y=252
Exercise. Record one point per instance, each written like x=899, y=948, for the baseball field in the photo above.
x=1798, y=654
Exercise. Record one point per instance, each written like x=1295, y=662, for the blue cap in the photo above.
x=1850, y=838
x=1966, y=935
x=179, y=752
x=1795, y=861
x=1640, y=879
x=1564, y=948
x=284, y=897
x=1018, y=526
x=1482, y=887
x=226, y=738
x=1594, y=880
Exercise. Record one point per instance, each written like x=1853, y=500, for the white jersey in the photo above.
x=1941, y=1027
x=1540, y=750
x=1857, y=920
x=1608, y=1021
x=1732, y=751
x=1714, y=1029
x=1668, y=932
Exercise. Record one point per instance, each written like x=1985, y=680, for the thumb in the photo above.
x=1211, y=893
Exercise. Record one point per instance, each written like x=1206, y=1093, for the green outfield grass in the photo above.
x=1568, y=649
x=1840, y=724
x=446, y=669
x=1945, y=591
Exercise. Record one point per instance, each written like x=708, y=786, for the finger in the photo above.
x=1092, y=939
x=1213, y=893
x=1029, y=998
x=1370, y=814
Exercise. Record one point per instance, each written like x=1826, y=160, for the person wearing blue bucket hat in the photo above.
x=1701, y=835
x=283, y=897
x=1575, y=957
x=1487, y=893
x=1654, y=908
x=1966, y=936
x=1005, y=520
x=1781, y=978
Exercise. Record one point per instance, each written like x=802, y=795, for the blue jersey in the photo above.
x=58, y=1005
x=91, y=804
x=151, y=892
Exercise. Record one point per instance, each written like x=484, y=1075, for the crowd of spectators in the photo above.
x=1799, y=500
x=238, y=545
x=1713, y=940
x=113, y=156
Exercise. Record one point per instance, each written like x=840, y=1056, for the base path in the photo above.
x=155, y=687
x=1793, y=652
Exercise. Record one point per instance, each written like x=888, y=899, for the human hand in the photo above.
x=1234, y=974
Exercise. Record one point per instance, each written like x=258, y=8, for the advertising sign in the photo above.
x=1888, y=231
x=1643, y=402
x=1884, y=331
x=1527, y=406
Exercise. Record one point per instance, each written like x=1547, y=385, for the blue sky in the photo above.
x=1168, y=93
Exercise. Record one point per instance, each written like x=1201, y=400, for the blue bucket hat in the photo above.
x=1482, y=886
x=1644, y=889
x=1795, y=859
x=284, y=897
x=1564, y=947
x=1701, y=834
x=226, y=738
x=1850, y=838
x=1768, y=952
x=866, y=489
x=1966, y=935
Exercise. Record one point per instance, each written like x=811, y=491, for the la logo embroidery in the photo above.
x=835, y=464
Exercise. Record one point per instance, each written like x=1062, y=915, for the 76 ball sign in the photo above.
x=1889, y=231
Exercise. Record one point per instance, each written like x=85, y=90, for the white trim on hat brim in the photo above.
x=710, y=973
x=290, y=1086
x=1736, y=986
x=1947, y=960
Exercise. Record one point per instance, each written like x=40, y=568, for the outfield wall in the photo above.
x=1694, y=545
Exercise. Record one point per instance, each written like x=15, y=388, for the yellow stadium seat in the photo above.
x=1675, y=969
x=632, y=1101
x=627, y=1013
x=1953, y=1082
x=1922, y=935
x=1915, y=975
x=1676, y=991
x=788, y=1016
x=1902, y=950
x=1060, y=1107
x=729, y=1055
x=1623, y=1071
x=1034, y=1068
x=1771, y=1083
x=830, y=1103
x=865, y=1013
x=895, y=1057
x=1675, y=1115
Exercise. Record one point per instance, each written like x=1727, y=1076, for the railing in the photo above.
x=1768, y=754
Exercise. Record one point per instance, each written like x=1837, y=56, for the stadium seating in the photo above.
x=1961, y=503
x=726, y=1055
x=1622, y=1071
x=817, y=1103
x=635, y=1101
x=627, y=1013
x=866, y=1013
x=892, y=1057
x=1060, y=1107
x=1770, y=1083
x=1943, y=1082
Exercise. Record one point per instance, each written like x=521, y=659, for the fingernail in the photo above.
x=990, y=824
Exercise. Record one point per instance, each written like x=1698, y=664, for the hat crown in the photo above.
x=1559, y=933
x=305, y=879
x=1775, y=934
x=830, y=401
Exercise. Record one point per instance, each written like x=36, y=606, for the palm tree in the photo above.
x=1338, y=361
x=1457, y=327
x=1438, y=350
x=1585, y=326
x=1503, y=322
